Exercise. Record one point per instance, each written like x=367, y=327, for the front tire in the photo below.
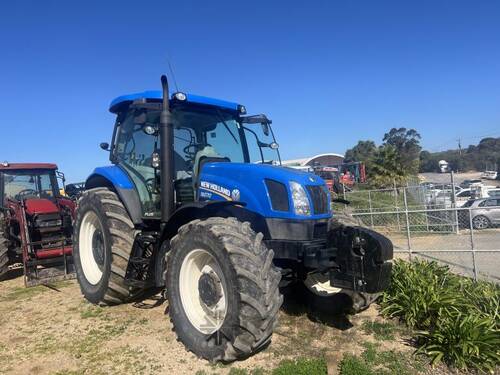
x=103, y=240
x=222, y=289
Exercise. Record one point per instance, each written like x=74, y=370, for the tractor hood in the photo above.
x=257, y=185
x=40, y=206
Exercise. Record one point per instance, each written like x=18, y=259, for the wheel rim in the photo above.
x=481, y=222
x=202, y=291
x=91, y=246
x=319, y=284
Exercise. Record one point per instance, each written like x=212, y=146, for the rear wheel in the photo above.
x=481, y=222
x=222, y=289
x=102, y=244
x=4, y=248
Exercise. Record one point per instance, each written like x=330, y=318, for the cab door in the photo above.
x=133, y=151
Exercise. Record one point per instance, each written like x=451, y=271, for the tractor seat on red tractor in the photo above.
x=36, y=223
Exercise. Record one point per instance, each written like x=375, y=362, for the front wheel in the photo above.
x=103, y=240
x=222, y=289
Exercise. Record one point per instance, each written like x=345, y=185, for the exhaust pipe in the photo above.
x=166, y=155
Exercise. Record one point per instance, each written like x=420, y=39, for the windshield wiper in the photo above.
x=227, y=127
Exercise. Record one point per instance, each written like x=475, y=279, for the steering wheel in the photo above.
x=26, y=192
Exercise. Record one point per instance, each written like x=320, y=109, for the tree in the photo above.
x=406, y=143
x=364, y=152
x=387, y=168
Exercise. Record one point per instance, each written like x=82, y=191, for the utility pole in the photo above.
x=459, y=153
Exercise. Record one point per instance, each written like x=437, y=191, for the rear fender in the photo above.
x=115, y=178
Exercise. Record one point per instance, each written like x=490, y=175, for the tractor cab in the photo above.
x=36, y=221
x=204, y=131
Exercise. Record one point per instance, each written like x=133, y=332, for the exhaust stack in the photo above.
x=166, y=155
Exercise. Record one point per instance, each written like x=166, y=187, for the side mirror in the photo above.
x=104, y=146
x=265, y=128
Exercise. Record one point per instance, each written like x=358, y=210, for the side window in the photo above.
x=464, y=194
x=492, y=202
x=133, y=150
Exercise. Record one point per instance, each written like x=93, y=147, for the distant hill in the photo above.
x=484, y=156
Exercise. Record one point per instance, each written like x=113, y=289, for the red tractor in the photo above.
x=36, y=223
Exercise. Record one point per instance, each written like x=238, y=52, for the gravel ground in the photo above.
x=52, y=330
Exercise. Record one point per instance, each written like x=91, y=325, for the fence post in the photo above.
x=396, y=206
x=407, y=224
x=343, y=190
x=453, y=200
x=473, y=248
x=370, y=204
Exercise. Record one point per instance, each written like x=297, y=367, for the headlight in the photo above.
x=300, y=201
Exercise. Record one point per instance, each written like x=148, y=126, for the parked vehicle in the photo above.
x=467, y=183
x=485, y=213
x=35, y=223
x=489, y=175
x=74, y=190
x=183, y=207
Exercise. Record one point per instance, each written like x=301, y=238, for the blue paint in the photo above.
x=249, y=180
x=115, y=175
x=157, y=95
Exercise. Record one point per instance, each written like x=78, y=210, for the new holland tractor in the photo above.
x=36, y=223
x=196, y=201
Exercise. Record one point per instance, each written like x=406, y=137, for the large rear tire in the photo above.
x=103, y=240
x=4, y=248
x=222, y=289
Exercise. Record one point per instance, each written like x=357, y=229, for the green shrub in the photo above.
x=457, y=318
x=302, y=366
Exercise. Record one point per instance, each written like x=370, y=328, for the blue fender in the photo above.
x=115, y=177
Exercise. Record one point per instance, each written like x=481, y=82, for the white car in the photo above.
x=489, y=175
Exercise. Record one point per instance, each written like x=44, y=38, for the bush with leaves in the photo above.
x=457, y=319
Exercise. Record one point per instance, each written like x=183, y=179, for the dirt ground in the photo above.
x=52, y=330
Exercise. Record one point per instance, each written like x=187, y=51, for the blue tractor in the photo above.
x=196, y=202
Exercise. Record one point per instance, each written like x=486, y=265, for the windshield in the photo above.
x=20, y=185
x=258, y=145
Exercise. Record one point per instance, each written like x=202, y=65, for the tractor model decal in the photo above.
x=219, y=190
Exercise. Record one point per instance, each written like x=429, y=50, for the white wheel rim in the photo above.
x=319, y=284
x=90, y=227
x=206, y=319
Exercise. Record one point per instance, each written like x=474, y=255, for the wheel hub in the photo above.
x=210, y=289
x=98, y=248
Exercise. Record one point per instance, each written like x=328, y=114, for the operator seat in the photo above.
x=207, y=155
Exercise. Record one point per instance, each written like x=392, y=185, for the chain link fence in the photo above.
x=428, y=221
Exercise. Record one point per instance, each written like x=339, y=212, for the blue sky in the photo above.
x=327, y=72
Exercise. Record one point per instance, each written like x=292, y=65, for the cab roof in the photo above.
x=24, y=166
x=156, y=95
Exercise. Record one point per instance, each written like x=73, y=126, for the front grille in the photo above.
x=319, y=199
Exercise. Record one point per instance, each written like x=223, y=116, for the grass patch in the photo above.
x=380, y=330
x=92, y=311
x=302, y=366
x=22, y=293
x=457, y=319
x=375, y=362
